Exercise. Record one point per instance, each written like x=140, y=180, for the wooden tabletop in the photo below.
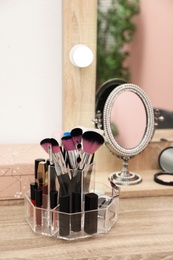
x=143, y=231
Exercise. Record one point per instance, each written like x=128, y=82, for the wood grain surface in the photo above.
x=79, y=27
x=143, y=232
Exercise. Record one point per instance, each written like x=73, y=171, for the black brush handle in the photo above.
x=76, y=209
x=65, y=184
x=64, y=217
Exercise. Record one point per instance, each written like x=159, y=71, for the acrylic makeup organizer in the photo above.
x=83, y=224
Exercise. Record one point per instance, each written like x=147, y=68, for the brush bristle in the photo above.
x=55, y=146
x=92, y=141
x=68, y=144
x=76, y=134
x=46, y=143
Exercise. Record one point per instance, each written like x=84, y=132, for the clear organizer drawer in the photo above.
x=70, y=226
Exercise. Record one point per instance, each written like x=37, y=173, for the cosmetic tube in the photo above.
x=42, y=177
x=38, y=200
x=76, y=209
x=33, y=186
x=53, y=205
x=64, y=217
x=91, y=205
x=53, y=179
x=36, y=166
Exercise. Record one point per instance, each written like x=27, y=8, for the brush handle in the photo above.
x=64, y=180
x=59, y=159
x=87, y=177
x=85, y=159
x=50, y=154
x=72, y=156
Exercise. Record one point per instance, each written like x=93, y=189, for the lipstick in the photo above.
x=33, y=186
x=36, y=162
x=38, y=200
x=42, y=178
x=91, y=205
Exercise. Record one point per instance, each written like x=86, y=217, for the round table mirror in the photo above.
x=128, y=123
x=101, y=96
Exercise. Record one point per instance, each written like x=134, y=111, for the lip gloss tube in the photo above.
x=53, y=205
x=38, y=200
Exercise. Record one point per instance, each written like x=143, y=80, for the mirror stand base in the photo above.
x=119, y=178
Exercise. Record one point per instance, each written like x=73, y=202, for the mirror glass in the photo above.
x=128, y=123
x=127, y=110
x=165, y=160
x=149, y=48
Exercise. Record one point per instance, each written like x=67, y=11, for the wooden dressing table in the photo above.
x=143, y=231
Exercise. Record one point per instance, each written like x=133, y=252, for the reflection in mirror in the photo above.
x=149, y=48
x=127, y=110
x=128, y=122
x=101, y=95
x=115, y=30
x=165, y=160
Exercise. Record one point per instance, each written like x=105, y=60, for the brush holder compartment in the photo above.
x=72, y=205
x=71, y=226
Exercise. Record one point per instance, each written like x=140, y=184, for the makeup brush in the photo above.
x=70, y=147
x=45, y=143
x=47, y=146
x=91, y=142
x=57, y=152
x=60, y=167
x=76, y=134
x=51, y=146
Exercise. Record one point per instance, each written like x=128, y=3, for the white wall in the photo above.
x=30, y=70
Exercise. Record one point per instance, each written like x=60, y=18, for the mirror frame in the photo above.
x=111, y=143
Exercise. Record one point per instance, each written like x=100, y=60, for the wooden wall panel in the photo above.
x=79, y=26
